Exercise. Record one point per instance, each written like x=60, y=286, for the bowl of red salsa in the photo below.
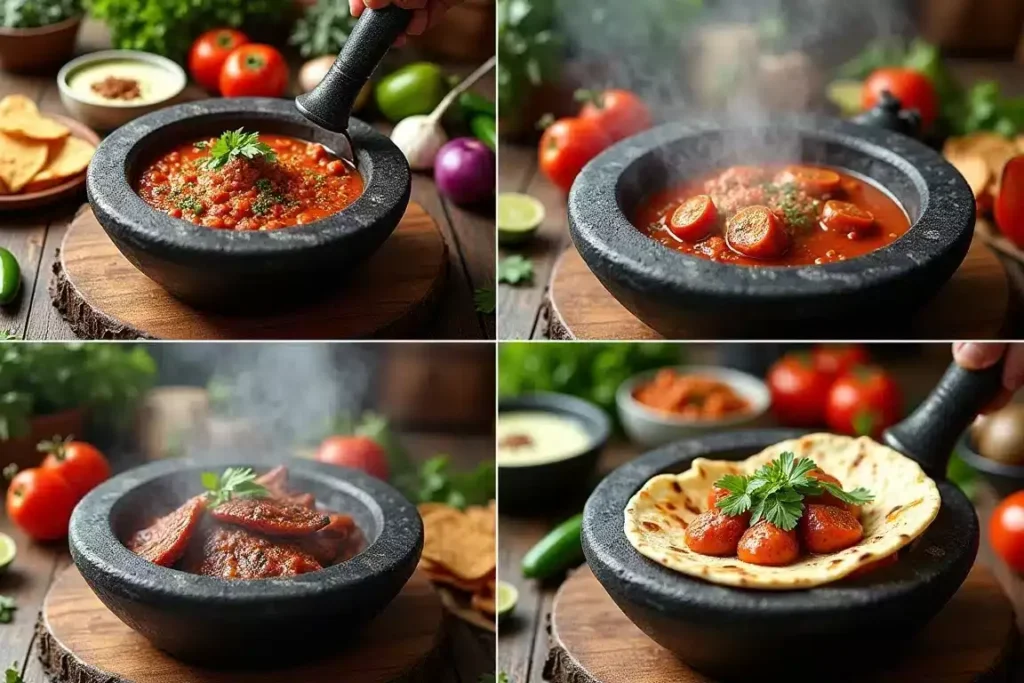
x=240, y=204
x=204, y=580
x=798, y=221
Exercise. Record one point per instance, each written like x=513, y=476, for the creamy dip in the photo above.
x=535, y=437
x=154, y=83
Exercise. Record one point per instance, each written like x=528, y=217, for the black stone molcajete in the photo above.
x=740, y=634
x=534, y=489
x=228, y=270
x=221, y=622
x=662, y=287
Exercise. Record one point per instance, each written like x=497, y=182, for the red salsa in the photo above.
x=774, y=215
x=263, y=182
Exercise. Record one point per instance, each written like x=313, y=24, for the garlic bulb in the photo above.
x=419, y=138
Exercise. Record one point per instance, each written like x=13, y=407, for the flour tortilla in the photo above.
x=906, y=501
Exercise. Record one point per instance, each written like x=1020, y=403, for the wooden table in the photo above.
x=470, y=655
x=523, y=639
x=34, y=236
x=522, y=310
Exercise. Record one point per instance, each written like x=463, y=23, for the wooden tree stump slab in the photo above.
x=103, y=296
x=973, y=640
x=81, y=641
x=974, y=304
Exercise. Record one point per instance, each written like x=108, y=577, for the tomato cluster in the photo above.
x=223, y=60
x=40, y=499
x=833, y=385
x=569, y=143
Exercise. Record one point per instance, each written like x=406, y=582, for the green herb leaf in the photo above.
x=484, y=300
x=13, y=675
x=235, y=482
x=237, y=144
x=515, y=269
x=776, y=491
x=7, y=609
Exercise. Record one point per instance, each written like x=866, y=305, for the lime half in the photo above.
x=507, y=598
x=519, y=216
x=7, y=551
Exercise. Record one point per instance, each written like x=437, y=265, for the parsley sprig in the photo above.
x=235, y=482
x=777, y=490
x=237, y=144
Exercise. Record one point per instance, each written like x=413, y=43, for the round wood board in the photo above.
x=81, y=641
x=103, y=296
x=974, y=304
x=592, y=641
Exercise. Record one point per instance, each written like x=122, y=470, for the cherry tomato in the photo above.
x=837, y=359
x=359, y=452
x=694, y=219
x=910, y=87
x=812, y=180
x=756, y=231
x=863, y=402
x=254, y=70
x=1009, y=205
x=1006, y=531
x=82, y=465
x=847, y=218
x=40, y=502
x=208, y=53
x=799, y=391
x=619, y=113
x=566, y=147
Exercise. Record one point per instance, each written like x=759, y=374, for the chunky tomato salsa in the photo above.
x=774, y=215
x=250, y=181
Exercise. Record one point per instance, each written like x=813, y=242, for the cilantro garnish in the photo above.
x=515, y=269
x=7, y=608
x=236, y=482
x=777, y=490
x=12, y=675
x=237, y=144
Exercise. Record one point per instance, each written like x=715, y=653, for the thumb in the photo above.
x=977, y=355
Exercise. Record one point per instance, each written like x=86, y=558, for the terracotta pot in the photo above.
x=38, y=49
x=22, y=450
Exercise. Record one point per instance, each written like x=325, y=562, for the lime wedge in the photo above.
x=845, y=94
x=519, y=216
x=7, y=551
x=507, y=598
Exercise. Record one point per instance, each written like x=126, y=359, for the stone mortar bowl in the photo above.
x=661, y=286
x=220, y=622
x=730, y=632
x=228, y=270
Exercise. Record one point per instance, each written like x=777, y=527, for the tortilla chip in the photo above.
x=71, y=158
x=454, y=542
x=906, y=501
x=463, y=611
x=974, y=170
x=484, y=603
x=34, y=127
x=18, y=105
x=20, y=160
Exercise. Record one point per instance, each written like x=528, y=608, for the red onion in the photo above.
x=464, y=170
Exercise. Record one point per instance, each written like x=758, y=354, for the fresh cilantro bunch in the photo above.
x=235, y=482
x=777, y=490
x=236, y=144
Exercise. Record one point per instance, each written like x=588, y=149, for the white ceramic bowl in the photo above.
x=110, y=116
x=650, y=427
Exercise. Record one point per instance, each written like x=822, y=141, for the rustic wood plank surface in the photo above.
x=523, y=637
x=522, y=308
x=33, y=236
x=468, y=655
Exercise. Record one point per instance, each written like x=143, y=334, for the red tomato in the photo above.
x=799, y=391
x=911, y=88
x=208, y=54
x=1006, y=531
x=863, y=402
x=40, y=502
x=82, y=465
x=566, y=147
x=360, y=452
x=1009, y=206
x=254, y=70
x=837, y=359
x=619, y=113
